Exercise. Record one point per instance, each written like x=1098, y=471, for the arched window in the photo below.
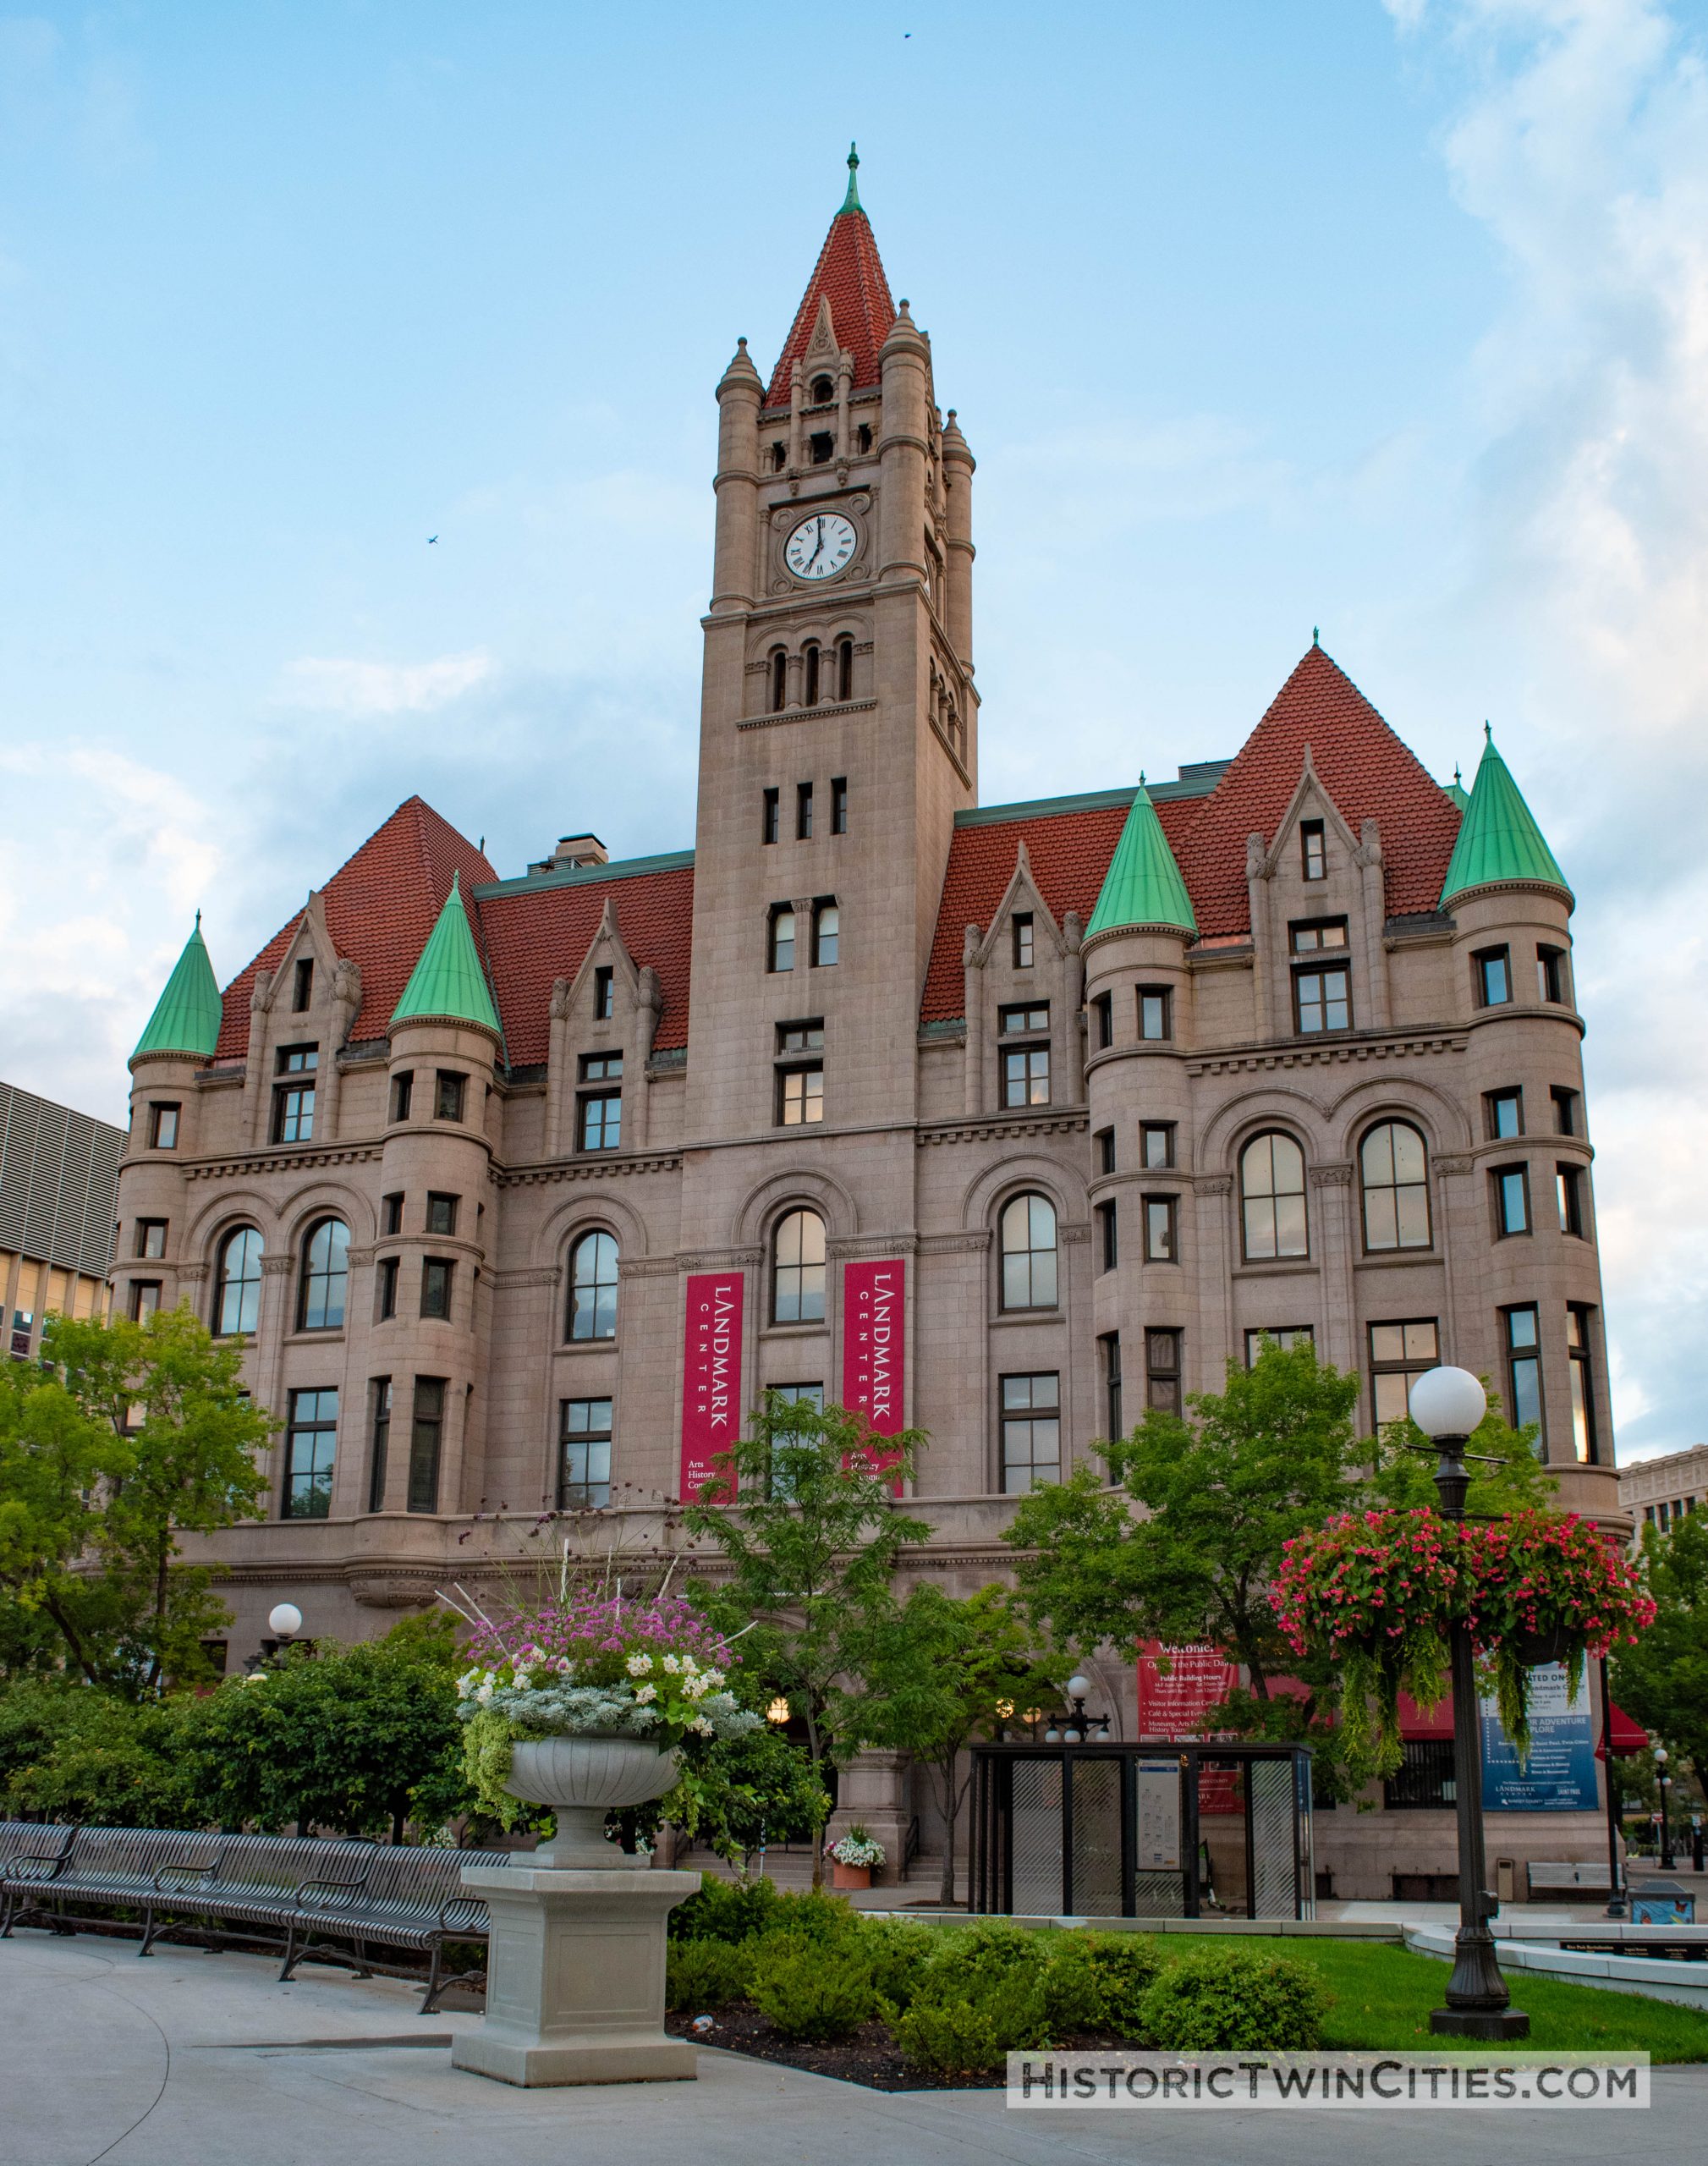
x=781, y=938
x=779, y=679
x=823, y=391
x=1272, y=1195
x=1028, y=1238
x=593, y=1287
x=844, y=669
x=237, y=1282
x=1393, y=1165
x=797, y=1269
x=325, y=1277
x=809, y=694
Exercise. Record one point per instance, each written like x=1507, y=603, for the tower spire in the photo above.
x=1143, y=886
x=1499, y=843
x=849, y=274
x=851, y=201
x=186, y=1017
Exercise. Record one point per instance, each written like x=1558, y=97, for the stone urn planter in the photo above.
x=849, y=1876
x=582, y=1778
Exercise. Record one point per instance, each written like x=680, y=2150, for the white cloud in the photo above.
x=339, y=686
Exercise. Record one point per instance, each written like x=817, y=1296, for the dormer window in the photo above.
x=823, y=391
x=303, y=988
x=1312, y=850
x=822, y=447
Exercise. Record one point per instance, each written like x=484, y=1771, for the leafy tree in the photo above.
x=741, y=1793
x=1663, y=1680
x=934, y=1674
x=811, y=1530
x=182, y=1458
x=53, y=1457
x=74, y=1754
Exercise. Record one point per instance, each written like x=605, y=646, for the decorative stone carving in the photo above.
x=385, y=1590
x=1369, y=851
x=561, y=989
x=1333, y=1175
x=261, y=992
x=1259, y=865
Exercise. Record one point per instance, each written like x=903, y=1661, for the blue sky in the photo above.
x=1390, y=318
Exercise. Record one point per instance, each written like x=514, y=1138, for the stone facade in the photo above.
x=850, y=906
x=1659, y=1491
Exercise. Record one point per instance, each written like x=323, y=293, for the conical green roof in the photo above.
x=1143, y=885
x=1499, y=840
x=186, y=1017
x=448, y=980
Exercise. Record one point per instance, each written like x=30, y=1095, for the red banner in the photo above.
x=1173, y=1706
x=710, y=1375
x=874, y=1344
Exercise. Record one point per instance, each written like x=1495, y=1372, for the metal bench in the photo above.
x=306, y=1892
x=30, y=1860
x=1566, y=1879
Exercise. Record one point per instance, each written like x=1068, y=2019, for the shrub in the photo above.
x=899, y=1951
x=967, y=1964
x=812, y=1989
x=962, y=2034
x=1097, y=1980
x=1229, y=1998
x=726, y=1909
x=814, y=1916
x=702, y=1974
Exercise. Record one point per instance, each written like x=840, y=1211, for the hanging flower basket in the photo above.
x=1544, y=1587
x=1376, y=1593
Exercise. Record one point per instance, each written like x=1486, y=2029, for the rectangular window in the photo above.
x=392, y=1212
x=294, y=1114
x=1027, y=1016
x=1580, y=1344
x=1026, y=1076
x=1425, y=1781
x=801, y=1037
x=838, y=801
x=438, y=1274
x=1550, y=975
x=1505, y=1111
x=162, y=1128
x=583, y=1466
x=771, y=818
x=604, y=992
x=1322, y=999
x=145, y=1298
x=1156, y=1012
x=311, y=1445
x=298, y=1060
x=800, y=1095
x=1568, y=1188
x=1512, y=1194
x=1104, y=1141
x=1565, y=1104
x=1110, y=1345
x=1309, y=936
x=803, y=809
x=1108, y=1248
x=1102, y=1022
x=449, y=1091
x=402, y=1090
x=386, y=1282
x=780, y=938
x=1162, y=1370
x=1524, y=1370
x=150, y=1237
x=601, y=1123
x=1156, y=1142
x=826, y=933
x=1159, y=1229
x=442, y=1212
x=1022, y=922
x=426, y=1432
x=1312, y=851
x=1491, y=977
x=1031, y=1432
x=303, y=988
x=1399, y=1354
x=1285, y=1335
x=379, y=1441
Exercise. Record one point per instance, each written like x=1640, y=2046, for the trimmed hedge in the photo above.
x=1228, y=1998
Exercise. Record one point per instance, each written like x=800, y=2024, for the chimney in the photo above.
x=573, y=850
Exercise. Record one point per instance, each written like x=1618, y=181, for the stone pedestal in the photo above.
x=872, y=1794
x=575, y=1975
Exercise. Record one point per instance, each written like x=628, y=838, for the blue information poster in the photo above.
x=1559, y=1775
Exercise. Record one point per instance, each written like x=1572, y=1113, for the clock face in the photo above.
x=820, y=546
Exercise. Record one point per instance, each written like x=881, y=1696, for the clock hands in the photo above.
x=814, y=557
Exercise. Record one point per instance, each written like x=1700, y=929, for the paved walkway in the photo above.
x=195, y=2060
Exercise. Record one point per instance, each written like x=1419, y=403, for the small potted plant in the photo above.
x=590, y=1705
x=853, y=1857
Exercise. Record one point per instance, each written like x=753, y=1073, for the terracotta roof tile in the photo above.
x=849, y=270
x=533, y=935
x=382, y=904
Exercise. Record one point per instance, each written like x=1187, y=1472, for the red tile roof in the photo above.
x=534, y=935
x=1366, y=769
x=849, y=270
x=381, y=905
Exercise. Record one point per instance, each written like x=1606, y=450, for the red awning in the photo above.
x=1415, y=1726
x=1627, y=1736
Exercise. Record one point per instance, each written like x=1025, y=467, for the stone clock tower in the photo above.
x=838, y=729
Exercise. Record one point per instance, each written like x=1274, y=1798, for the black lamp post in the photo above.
x=1616, y=1886
x=1071, y=1727
x=1663, y=1780
x=1446, y=1404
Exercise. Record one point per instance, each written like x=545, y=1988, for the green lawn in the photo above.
x=1383, y=1996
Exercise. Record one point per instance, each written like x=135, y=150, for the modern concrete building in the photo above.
x=59, y=1201
x=1659, y=1491
x=1002, y=1120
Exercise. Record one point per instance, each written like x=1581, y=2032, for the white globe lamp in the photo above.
x=1447, y=1403
x=285, y=1620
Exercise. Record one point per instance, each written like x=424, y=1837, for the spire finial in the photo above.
x=1141, y=777
x=198, y=921
x=851, y=201
x=1457, y=777
x=1488, y=733
x=1315, y=635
